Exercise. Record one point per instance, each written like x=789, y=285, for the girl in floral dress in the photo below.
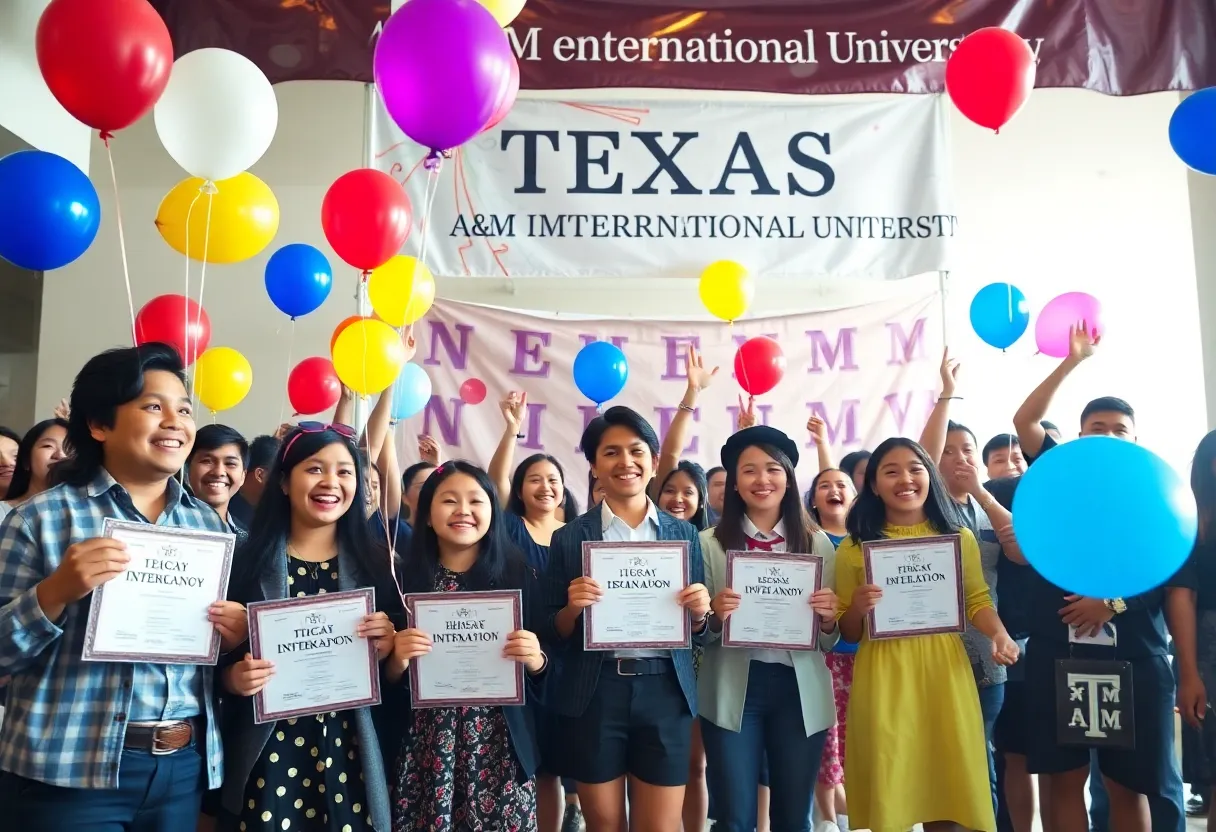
x=465, y=768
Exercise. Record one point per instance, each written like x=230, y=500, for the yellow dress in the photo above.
x=915, y=749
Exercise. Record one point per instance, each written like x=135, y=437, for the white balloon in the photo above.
x=217, y=115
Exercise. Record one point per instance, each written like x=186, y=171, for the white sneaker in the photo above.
x=826, y=826
x=842, y=821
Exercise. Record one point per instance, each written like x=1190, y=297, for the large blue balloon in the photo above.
x=49, y=213
x=411, y=392
x=1104, y=518
x=600, y=371
x=1000, y=314
x=298, y=279
x=1193, y=130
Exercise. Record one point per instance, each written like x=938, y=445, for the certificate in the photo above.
x=156, y=610
x=922, y=586
x=640, y=607
x=321, y=663
x=775, y=604
x=466, y=666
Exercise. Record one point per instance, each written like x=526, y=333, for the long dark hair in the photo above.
x=700, y=518
x=407, y=479
x=499, y=564
x=867, y=518
x=24, y=472
x=1203, y=483
x=798, y=524
x=810, y=492
x=515, y=500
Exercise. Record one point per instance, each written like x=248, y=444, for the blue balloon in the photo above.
x=1104, y=518
x=1193, y=130
x=411, y=392
x=298, y=279
x=600, y=371
x=1000, y=314
x=49, y=213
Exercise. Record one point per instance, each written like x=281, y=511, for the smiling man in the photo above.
x=216, y=469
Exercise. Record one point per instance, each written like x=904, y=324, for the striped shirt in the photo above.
x=66, y=719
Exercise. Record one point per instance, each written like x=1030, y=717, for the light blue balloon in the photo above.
x=1000, y=314
x=411, y=392
x=1104, y=518
x=600, y=371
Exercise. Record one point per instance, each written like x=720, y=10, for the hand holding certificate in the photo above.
x=770, y=600
x=914, y=586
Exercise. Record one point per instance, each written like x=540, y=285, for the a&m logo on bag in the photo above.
x=1094, y=703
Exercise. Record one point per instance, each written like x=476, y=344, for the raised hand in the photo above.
x=818, y=430
x=698, y=377
x=747, y=415
x=428, y=449
x=1082, y=341
x=514, y=406
x=949, y=373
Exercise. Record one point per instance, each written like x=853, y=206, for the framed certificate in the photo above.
x=775, y=607
x=466, y=666
x=640, y=608
x=321, y=664
x=156, y=610
x=922, y=586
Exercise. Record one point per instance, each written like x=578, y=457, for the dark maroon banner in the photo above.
x=1118, y=47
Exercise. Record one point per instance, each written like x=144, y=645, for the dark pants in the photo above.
x=154, y=794
x=772, y=725
x=991, y=700
x=1163, y=809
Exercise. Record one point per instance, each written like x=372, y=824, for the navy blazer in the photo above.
x=571, y=689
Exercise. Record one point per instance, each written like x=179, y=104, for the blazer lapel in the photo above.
x=592, y=525
x=274, y=582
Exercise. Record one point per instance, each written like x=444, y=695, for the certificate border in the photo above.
x=212, y=656
x=259, y=608
x=675, y=644
x=793, y=557
x=516, y=598
x=898, y=542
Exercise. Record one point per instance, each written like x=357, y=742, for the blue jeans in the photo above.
x=154, y=794
x=1166, y=810
x=772, y=725
x=991, y=700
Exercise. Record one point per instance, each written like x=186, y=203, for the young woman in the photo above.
x=40, y=448
x=411, y=484
x=465, y=768
x=10, y=441
x=595, y=492
x=915, y=745
x=309, y=537
x=758, y=703
x=854, y=464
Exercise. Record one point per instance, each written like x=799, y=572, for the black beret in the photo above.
x=757, y=435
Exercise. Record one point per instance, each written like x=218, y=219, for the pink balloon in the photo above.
x=507, y=101
x=1059, y=315
x=473, y=391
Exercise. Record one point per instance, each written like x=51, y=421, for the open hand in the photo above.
x=698, y=377
x=1082, y=341
x=949, y=373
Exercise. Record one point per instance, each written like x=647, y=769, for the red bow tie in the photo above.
x=764, y=545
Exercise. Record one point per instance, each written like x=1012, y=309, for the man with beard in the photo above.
x=216, y=470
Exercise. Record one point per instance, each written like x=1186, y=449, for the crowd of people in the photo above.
x=948, y=730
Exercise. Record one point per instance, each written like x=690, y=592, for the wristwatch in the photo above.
x=1116, y=605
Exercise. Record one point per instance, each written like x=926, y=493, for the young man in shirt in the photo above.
x=98, y=745
x=216, y=470
x=715, y=479
x=627, y=714
x=1002, y=457
x=262, y=452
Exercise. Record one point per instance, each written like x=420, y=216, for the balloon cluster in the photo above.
x=1000, y=315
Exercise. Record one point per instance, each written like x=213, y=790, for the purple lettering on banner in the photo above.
x=905, y=347
x=739, y=339
x=762, y=413
x=531, y=427
x=618, y=341
x=436, y=414
x=674, y=347
x=843, y=429
x=527, y=353
x=911, y=410
x=589, y=412
x=824, y=351
x=458, y=354
x=666, y=415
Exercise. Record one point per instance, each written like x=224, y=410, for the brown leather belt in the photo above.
x=160, y=738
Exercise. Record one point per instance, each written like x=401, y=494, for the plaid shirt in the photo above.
x=66, y=719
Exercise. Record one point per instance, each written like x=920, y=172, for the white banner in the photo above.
x=869, y=372
x=663, y=188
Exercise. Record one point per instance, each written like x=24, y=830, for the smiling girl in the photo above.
x=40, y=448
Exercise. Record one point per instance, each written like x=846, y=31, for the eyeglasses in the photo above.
x=345, y=431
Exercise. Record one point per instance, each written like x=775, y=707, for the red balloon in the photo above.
x=473, y=391
x=510, y=91
x=366, y=216
x=106, y=62
x=333, y=339
x=990, y=76
x=164, y=319
x=759, y=365
x=313, y=386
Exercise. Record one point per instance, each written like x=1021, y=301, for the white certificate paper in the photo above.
x=321, y=664
x=156, y=610
x=640, y=607
x=466, y=666
x=775, y=604
x=922, y=586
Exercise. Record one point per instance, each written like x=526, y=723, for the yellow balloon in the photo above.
x=504, y=11
x=368, y=356
x=726, y=290
x=399, y=294
x=244, y=218
x=222, y=378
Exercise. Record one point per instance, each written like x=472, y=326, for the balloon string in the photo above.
x=186, y=288
x=291, y=342
x=122, y=239
x=202, y=284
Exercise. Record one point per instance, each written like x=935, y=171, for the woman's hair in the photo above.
x=867, y=518
x=271, y=524
x=851, y=460
x=24, y=472
x=515, y=500
x=798, y=524
x=407, y=479
x=1203, y=483
x=700, y=518
x=499, y=565
x=810, y=493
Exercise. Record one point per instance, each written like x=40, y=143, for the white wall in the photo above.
x=1081, y=192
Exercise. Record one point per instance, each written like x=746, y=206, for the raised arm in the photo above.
x=1081, y=344
x=390, y=476
x=513, y=408
x=999, y=516
x=677, y=433
x=933, y=437
x=823, y=449
x=379, y=422
x=344, y=410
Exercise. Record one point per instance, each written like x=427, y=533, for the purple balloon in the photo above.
x=1062, y=313
x=441, y=67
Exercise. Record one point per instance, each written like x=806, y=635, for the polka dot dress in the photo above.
x=309, y=776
